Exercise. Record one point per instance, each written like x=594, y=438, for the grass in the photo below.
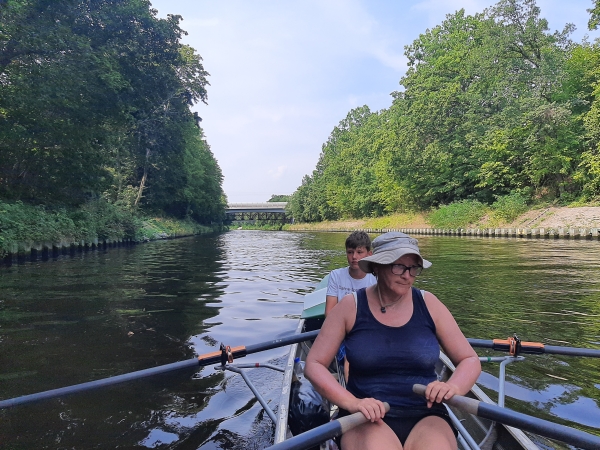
x=23, y=225
x=160, y=227
x=258, y=226
x=398, y=220
x=507, y=211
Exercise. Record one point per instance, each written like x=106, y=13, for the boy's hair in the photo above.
x=358, y=239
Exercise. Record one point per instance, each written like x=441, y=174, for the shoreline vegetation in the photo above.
x=98, y=140
x=515, y=215
x=37, y=230
x=552, y=218
x=27, y=229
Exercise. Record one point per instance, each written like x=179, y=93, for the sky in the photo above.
x=283, y=74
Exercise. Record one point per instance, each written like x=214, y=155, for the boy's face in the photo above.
x=354, y=255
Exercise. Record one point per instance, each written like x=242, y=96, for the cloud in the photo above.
x=278, y=172
x=282, y=76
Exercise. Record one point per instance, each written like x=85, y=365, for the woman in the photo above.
x=392, y=335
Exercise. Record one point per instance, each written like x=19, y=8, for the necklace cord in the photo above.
x=383, y=307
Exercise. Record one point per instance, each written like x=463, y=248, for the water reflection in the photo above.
x=105, y=313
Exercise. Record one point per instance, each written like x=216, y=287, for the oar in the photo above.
x=320, y=434
x=200, y=361
x=515, y=419
x=536, y=348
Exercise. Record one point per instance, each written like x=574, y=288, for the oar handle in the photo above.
x=515, y=419
x=465, y=404
x=320, y=434
x=356, y=419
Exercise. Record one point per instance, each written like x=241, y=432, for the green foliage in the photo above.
x=458, y=214
x=348, y=179
x=399, y=220
x=26, y=224
x=585, y=67
x=105, y=221
x=261, y=225
x=160, y=227
x=22, y=223
x=507, y=208
x=594, y=15
x=492, y=104
x=96, y=98
x=279, y=198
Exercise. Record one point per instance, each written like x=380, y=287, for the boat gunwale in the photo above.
x=281, y=427
x=517, y=434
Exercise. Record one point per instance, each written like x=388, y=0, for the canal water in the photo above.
x=98, y=314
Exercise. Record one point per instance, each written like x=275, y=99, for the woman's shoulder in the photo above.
x=348, y=301
x=437, y=309
x=345, y=311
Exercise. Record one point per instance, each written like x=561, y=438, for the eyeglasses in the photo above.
x=399, y=269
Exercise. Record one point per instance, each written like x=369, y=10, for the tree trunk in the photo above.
x=144, y=177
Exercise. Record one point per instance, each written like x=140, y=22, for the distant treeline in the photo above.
x=493, y=105
x=95, y=100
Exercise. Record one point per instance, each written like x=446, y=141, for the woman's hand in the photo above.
x=371, y=408
x=437, y=391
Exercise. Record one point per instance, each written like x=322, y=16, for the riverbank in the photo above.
x=40, y=231
x=548, y=218
x=151, y=230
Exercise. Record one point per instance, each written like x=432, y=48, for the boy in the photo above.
x=350, y=279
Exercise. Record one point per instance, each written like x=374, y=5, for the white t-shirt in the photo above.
x=341, y=283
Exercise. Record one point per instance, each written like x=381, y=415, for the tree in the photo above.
x=492, y=104
x=279, y=198
x=594, y=15
x=96, y=101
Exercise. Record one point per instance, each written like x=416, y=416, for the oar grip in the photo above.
x=320, y=434
x=466, y=404
x=356, y=419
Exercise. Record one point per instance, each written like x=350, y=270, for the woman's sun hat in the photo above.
x=388, y=247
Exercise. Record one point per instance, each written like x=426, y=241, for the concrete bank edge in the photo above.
x=44, y=250
x=527, y=233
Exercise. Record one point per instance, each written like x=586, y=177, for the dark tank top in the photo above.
x=386, y=361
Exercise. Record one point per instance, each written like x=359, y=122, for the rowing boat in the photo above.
x=474, y=432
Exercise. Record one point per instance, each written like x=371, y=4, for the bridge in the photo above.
x=272, y=212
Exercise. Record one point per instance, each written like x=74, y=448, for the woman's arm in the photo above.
x=330, y=302
x=458, y=349
x=338, y=322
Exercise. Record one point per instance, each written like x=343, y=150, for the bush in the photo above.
x=25, y=223
x=508, y=207
x=22, y=223
x=105, y=220
x=457, y=215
